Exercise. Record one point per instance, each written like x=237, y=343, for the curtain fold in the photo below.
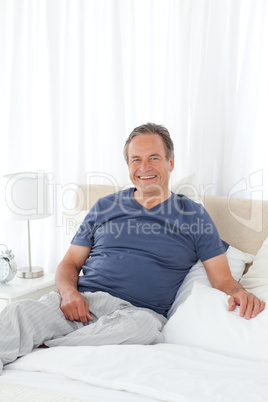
x=77, y=76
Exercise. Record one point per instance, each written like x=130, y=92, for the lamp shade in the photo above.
x=27, y=196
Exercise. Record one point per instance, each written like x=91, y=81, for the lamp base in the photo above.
x=26, y=273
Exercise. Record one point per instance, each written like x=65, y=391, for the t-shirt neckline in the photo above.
x=140, y=206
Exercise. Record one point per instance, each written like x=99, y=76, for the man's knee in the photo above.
x=152, y=328
x=145, y=327
x=18, y=307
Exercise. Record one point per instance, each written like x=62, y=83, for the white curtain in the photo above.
x=77, y=76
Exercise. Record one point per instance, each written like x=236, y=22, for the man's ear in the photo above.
x=172, y=163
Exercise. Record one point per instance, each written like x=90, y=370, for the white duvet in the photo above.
x=164, y=372
x=214, y=356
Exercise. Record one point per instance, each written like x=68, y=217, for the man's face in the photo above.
x=149, y=170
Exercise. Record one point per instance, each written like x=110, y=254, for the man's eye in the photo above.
x=135, y=160
x=154, y=158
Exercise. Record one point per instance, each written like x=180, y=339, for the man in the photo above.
x=135, y=247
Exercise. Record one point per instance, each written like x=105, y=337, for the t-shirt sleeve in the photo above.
x=84, y=235
x=207, y=240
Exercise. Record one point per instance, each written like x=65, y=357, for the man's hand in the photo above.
x=75, y=307
x=249, y=304
x=73, y=304
x=219, y=274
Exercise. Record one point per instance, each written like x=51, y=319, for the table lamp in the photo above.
x=27, y=199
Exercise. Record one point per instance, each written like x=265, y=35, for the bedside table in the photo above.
x=19, y=288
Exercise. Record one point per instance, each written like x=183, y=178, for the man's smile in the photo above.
x=146, y=177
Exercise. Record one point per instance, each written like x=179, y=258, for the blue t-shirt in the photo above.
x=142, y=255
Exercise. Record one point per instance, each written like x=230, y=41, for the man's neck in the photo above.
x=151, y=200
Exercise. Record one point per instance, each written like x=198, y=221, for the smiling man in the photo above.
x=149, y=168
x=134, y=248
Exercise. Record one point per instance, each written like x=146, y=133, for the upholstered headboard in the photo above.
x=242, y=223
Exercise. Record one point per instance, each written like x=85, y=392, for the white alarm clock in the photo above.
x=8, y=266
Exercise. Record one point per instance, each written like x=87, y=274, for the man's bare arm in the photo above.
x=220, y=276
x=73, y=304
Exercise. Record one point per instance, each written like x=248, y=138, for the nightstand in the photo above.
x=19, y=289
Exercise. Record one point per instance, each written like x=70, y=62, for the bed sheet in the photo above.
x=29, y=386
x=163, y=372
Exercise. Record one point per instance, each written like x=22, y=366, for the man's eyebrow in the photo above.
x=138, y=156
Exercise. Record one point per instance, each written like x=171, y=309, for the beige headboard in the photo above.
x=241, y=223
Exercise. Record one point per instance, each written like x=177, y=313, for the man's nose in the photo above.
x=145, y=165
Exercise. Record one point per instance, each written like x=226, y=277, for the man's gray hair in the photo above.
x=151, y=128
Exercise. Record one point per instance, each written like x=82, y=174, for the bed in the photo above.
x=209, y=354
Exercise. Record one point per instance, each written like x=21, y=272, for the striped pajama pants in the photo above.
x=27, y=324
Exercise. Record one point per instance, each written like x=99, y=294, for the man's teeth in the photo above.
x=147, y=177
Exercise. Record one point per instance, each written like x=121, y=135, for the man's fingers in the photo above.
x=246, y=305
x=77, y=310
x=83, y=314
x=232, y=303
x=249, y=304
x=68, y=313
x=89, y=317
x=262, y=306
x=256, y=307
x=76, y=314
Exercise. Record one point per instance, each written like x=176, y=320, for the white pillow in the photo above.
x=204, y=321
x=237, y=261
x=256, y=279
x=188, y=186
